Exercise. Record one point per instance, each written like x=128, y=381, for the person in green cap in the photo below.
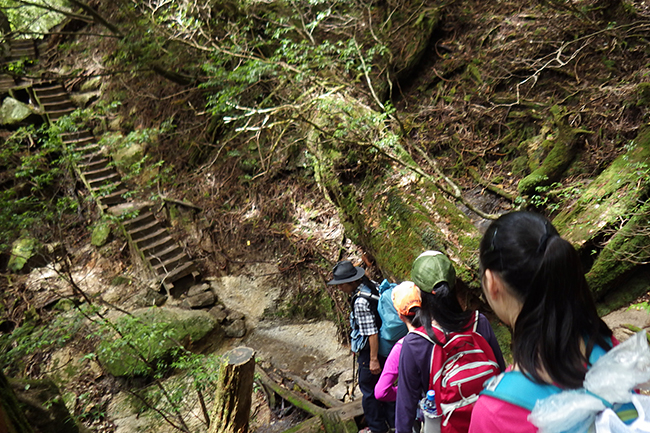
x=442, y=317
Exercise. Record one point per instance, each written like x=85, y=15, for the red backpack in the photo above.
x=459, y=368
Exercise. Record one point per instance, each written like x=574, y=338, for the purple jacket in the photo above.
x=414, y=365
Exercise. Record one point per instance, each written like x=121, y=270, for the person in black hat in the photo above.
x=365, y=323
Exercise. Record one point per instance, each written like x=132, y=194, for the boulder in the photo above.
x=205, y=299
x=101, y=234
x=14, y=112
x=236, y=329
x=152, y=335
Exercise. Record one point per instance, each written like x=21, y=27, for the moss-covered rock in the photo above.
x=101, y=233
x=150, y=336
x=563, y=150
x=611, y=196
x=22, y=250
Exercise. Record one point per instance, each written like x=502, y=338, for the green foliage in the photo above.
x=37, y=337
x=34, y=200
x=35, y=16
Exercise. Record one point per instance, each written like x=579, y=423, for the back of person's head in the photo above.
x=544, y=272
x=407, y=301
x=435, y=275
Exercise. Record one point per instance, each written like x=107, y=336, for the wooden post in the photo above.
x=234, y=392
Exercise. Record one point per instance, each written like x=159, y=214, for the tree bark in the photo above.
x=234, y=392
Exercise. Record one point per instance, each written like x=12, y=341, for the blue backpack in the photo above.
x=392, y=328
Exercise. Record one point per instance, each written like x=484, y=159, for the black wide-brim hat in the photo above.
x=346, y=272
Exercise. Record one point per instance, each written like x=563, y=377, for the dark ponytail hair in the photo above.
x=443, y=307
x=559, y=314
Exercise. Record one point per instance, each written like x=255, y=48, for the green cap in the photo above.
x=432, y=268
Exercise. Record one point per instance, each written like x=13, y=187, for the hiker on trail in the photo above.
x=534, y=282
x=407, y=301
x=442, y=318
x=364, y=320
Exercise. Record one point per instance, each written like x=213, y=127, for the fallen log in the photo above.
x=288, y=395
x=312, y=390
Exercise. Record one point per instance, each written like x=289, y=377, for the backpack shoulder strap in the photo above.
x=515, y=388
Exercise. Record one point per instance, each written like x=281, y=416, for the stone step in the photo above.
x=144, y=230
x=144, y=217
x=169, y=265
x=158, y=246
x=113, y=198
x=152, y=238
x=108, y=179
x=185, y=269
x=101, y=173
x=169, y=252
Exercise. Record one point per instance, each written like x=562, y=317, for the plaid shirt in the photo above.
x=364, y=317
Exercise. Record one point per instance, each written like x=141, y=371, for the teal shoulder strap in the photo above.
x=515, y=388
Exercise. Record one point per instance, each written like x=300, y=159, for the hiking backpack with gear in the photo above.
x=391, y=328
x=460, y=366
x=606, y=403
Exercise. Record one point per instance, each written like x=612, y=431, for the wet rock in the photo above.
x=218, y=312
x=205, y=299
x=236, y=329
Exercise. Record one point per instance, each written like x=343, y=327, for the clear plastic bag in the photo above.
x=611, y=378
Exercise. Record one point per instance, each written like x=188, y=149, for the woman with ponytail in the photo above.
x=435, y=276
x=534, y=282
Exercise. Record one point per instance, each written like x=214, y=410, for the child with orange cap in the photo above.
x=406, y=299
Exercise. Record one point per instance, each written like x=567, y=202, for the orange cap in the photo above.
x=405, y=296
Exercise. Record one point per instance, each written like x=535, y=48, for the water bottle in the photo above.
x=431, y=419
x=429, y=402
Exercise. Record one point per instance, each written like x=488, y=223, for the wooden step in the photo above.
x=93, y=165
x=160, y=245
x=56, y=115
x=144, y=230
x=187, y=268
x=169, y=265
x=169, y=252
x=73, y=137
x=50, y=91
x=107, y=188
x=152, y=238
x=113, y=198
x=108, y=179
x=83, y=145
x=144, y=217
x=58, y=106
x=101, y=173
